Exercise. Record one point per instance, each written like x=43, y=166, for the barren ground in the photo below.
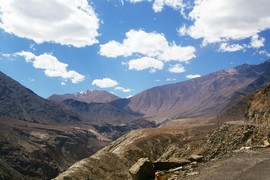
x=245, y=165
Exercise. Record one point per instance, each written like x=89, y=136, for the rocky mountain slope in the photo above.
x=87, y=96
x=168, y=146
x=100, y=113
x=39, y=138
x=107, y=119
x=252, y=108
x=167, y=149
x=21, y=103
x=203, y=96
x=38, y=151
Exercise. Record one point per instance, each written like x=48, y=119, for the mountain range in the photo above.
x=204, y=96
x=87, y=96
x=223, y=148
x=42, y=137
x=200, y=97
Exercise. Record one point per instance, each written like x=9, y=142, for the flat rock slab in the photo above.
x=248, y=165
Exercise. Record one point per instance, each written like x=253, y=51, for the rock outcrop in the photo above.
x=143, y=169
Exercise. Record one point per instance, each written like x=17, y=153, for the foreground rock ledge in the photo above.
x=142, y=170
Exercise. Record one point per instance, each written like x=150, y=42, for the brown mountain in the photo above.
x=21, y=103
x=86, y=96
x=40, y=138
x=253, y=108
x=110, y=120
x=230, y=146
x=203, y=96
x=100, y=113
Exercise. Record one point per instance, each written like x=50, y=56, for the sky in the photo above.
x=127, y=46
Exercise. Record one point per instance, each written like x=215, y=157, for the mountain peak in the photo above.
x=83, y=93
x=88, y=96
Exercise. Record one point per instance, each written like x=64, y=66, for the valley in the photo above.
x=84, y=136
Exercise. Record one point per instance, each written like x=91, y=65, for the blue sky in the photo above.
x=127, y=46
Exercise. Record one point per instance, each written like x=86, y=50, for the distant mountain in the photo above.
x=203, y=96
x=18, y=102
x=100, y=113
x=40, y=138
x=87, y=96
x=107, y=119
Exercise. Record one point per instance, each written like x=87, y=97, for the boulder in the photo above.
x=143, y=169
x=266, y=143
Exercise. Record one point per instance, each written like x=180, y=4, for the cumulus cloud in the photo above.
x=158, y=5
x=256, y=41
x=145, y=63
x=216, y=21
x=51, y=65
x=178, y=53
x=150, y=44
x=122, y=89
x=178, y=68
x=105, y=83
x=225, y=47
x=192, y=76
x=66, y=22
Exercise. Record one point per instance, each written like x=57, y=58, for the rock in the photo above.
x=175, y=169
x=192, y=173
x=245, y=148
x=143, y=169
x=266, y=143
x=195, y=157
x=174, y=177
x=158, y=175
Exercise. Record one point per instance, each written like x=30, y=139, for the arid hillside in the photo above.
x=87, y=96
x=204, y=96
x=39, y=138
x=172, y=150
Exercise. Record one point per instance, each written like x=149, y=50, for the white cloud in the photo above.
x=122, y=89
x=191, y=76
x=221, y=21
x=158, y=5
x=114, y=49
x=256, y=41
x=51, y=65
x=145, y=63
x=178, y=68
x=178, y=53
x=66, y=22
x=170, y=79
x=136, y=1
x=175, y=4
x=105, y=83
x=264, y=52
x=182, y=31
x=28, y=56
x=152, y=45
x=225, y=47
